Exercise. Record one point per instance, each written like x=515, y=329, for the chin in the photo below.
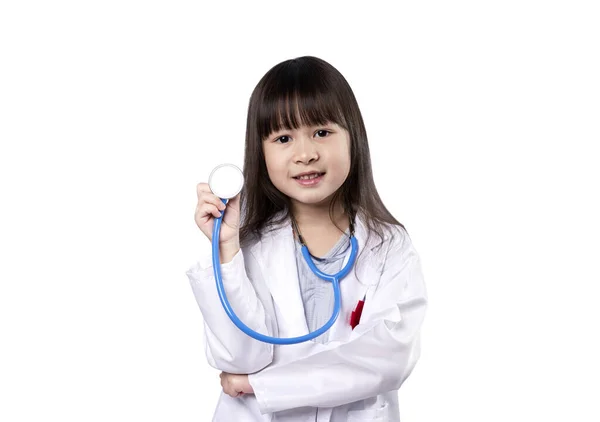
x=313, y=198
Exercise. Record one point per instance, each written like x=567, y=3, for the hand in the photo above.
x=235, y=385
x=209, y=207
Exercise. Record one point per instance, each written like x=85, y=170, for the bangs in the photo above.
x=292, y=103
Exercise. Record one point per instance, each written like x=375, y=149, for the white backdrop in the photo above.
x=482, y=119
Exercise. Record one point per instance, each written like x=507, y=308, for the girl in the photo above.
x=308, y=178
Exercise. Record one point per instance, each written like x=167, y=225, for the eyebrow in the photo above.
x=307, y=126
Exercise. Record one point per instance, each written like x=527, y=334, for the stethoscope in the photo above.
x=226, y=181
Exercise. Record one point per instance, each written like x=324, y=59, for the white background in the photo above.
x=483, y=121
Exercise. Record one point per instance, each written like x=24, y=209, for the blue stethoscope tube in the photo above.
x=334, y=279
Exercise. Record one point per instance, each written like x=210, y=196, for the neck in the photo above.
x=308, y=215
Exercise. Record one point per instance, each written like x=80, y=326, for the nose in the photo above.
x=306, y=151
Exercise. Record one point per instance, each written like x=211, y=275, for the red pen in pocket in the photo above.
x=356, y=313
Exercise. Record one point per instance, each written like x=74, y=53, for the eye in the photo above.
x=321, y=132
x=284, y=139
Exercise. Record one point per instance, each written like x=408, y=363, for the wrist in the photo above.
x=227, y=251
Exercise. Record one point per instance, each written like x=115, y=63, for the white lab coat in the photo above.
x=353, y=377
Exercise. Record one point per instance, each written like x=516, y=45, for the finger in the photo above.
x=208, y=210
x=229, y=391
x=225, y=383
x=205, y=194
x=210, y=198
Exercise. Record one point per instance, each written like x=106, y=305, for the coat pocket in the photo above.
x=369, y=415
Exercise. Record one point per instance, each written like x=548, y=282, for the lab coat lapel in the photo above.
x=354, y=286
x=282, y=279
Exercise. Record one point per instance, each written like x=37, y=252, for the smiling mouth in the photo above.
x=309, y=176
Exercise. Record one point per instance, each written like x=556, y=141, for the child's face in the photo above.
x=323, y=149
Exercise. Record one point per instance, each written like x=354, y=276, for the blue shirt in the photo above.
x=317, y=294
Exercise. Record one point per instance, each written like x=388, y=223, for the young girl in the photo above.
x=308, y=178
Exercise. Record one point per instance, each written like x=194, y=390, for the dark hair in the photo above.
x=305, y=91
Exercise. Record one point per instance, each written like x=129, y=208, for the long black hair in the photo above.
x=305, y=91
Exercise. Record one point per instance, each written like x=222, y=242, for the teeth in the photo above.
x=309, y=176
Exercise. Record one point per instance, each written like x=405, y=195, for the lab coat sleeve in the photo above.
x=380, y=354
x=227, y=348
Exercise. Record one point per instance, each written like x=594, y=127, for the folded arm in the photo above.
x=380, y=354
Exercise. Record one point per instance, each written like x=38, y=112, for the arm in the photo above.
x=380, y=354
x=227, y=348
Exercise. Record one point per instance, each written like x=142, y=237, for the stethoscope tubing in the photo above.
x=334, y=279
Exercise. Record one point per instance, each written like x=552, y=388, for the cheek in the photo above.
x=342, y=155
x=269, y=162
x=339, y=170
x=273, y=168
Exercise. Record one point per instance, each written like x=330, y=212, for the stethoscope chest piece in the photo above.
x=226, y=181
